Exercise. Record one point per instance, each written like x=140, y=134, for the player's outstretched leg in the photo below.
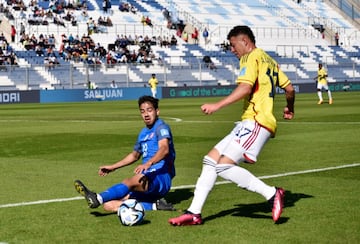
x=187, y=218
x=277, y=203
x=90, y=197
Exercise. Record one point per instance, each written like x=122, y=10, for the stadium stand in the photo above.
x=298, y=34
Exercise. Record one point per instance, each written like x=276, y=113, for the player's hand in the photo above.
x=104, y=170
x=141, y=168
x=287, y=114
x=209, y=108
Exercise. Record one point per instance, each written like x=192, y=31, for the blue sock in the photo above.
x=115, y=192
x=148, y=206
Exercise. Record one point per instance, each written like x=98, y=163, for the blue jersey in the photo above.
x=147, y=146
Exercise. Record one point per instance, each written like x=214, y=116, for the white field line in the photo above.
x=179, y=120
x=188, y=186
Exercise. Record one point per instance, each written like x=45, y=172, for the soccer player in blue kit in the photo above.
x=152, y=179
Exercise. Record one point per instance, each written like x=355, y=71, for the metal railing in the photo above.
x=188, y=73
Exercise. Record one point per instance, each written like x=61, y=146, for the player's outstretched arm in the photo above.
x=127, y=160
x=241, y=91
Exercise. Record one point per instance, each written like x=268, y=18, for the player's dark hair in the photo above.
x=241, y=29
x=154, y=101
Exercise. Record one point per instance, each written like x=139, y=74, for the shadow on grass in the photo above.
x=179, y=195
x=101, y=214
x=260, y=210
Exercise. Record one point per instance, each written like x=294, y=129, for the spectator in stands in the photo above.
x=124, y=7
x=179, y=32
x=336, y=39
x=53, y=61
x=13, y=33
x=121, y=42
x=133, y=9
x=58, y=21
x=91, y=26
x=99, y=51
x=132, y=56
x=39, y=50
x=22, y=14
x=153, y=40
x=225, y=46
x=113, y=84
x=143, y=20
x=105, y=6
x=51, y=41
x=22, y=29
x=61, y=51
x=130, y=40
x=164, y=41
x=185, y=36
x=110, y=58
x=12, y=59
x=166, y=14
x=173, y=41
x=195, y=35
x=148, y=21
x=3, y=40
x=8, y=14
x=146, y=41
x=71, y=39
x=101, y=21
x=322, y=84
x=109, y=21
x=209, y=63
x=206, y=35
x=84, y=15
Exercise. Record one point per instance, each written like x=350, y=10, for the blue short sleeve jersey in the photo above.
x=147, y=145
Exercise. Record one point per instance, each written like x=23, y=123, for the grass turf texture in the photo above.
x=44, y=148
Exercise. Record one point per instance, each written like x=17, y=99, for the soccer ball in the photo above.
x=131, y=212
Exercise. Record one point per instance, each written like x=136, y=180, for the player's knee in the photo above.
x=144, y=182
x=134, y=183
x=221, y=168
x=207, y=160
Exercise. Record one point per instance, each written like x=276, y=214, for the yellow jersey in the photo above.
x=153, y=83
x=322, y=76
x=262, y=72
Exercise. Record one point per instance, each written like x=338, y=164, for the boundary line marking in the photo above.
x=188, y=186
x=179, y=120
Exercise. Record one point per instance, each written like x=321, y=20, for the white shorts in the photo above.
x=244, y=142
x=322, y=86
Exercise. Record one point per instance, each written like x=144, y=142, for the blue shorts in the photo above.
x=159, y=186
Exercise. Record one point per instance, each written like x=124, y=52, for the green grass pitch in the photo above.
x=45, y=147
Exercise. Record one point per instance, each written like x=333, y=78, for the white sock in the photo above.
x=204, y=185
x=244, y=179
x=99, y=198
x=320, y=95
x=329, y=94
